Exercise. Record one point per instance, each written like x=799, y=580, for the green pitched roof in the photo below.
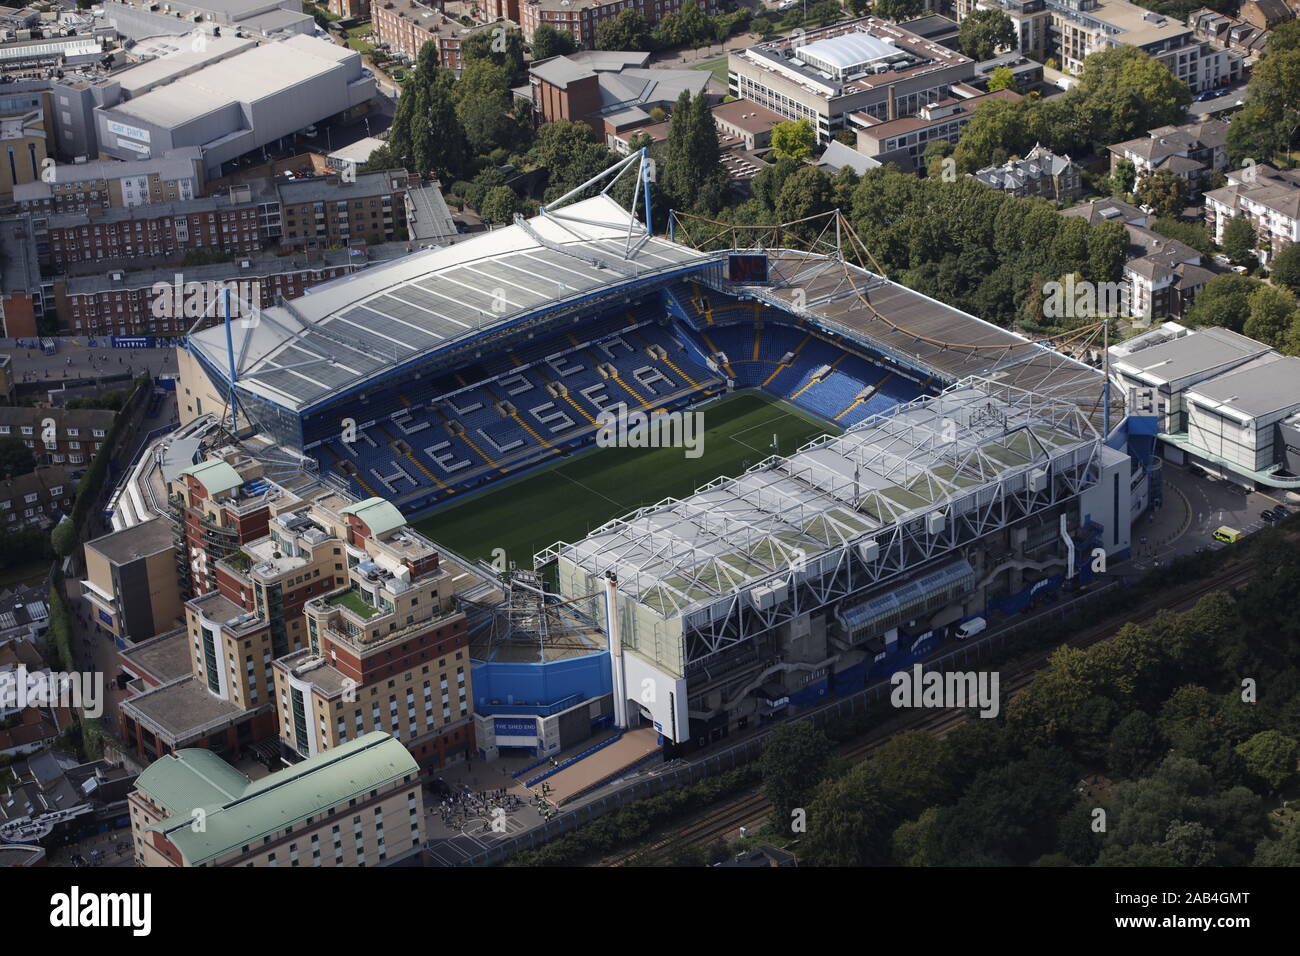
x=240, y=811
x=379, y=514
x=215, y=475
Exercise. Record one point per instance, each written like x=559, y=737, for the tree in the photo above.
x=1002, y=78
x=1164, y=192
x=1135, y=744
x=805, y=193
x=568, y=150
x=63, y=539
x=793, y=140
x=1122, y=178
x=1124, y=92
x=1224, y=301
x=794, y=759
x=499, y=205
x=15, y=458
x=502, y=45
x=549, y=42
x=627, y=31
x=691, y=174
x=426, y=135
x=898, y=10
x=1285, y=267
x=1272, y=310
x=1271, y=757
x=1239, y=241
x=849, y=821
x=983, y=32
x=482, y=99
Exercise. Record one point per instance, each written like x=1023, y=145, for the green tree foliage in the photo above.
x=1270, y=756
x=1272, y=312
x=549, y=42
x=426, y=136
x=1223, y=301
x=628, y=31
x=1164, y=192
x=499, y=205
x=1122, y=93
x=1284, y=269
x=794, y=759
x=849, y=821
x=1002, y=78
x=502, y=45
x=984, y=32
x=793, y=140
x=482, y=104
x=1123, y=178
x=691, y=176
x=897, y=10
x=1239, y=241
x=569, y=151
x=1193, y=234
x=1265, y=128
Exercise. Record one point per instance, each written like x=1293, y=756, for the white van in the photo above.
x=969, y=628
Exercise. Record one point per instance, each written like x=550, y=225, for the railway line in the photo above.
x=751, y=808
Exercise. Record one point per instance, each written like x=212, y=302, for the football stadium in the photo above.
x=875, y=468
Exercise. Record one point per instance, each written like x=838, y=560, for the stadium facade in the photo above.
x=977, y=472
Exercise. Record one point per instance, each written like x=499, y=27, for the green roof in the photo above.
x=215, y=475
x=380, y=515
x=239, y=811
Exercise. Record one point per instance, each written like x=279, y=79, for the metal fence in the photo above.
x=745, y=751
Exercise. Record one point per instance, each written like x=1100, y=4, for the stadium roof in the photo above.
x=936, y=339
x=345, y=332
x=680, y=555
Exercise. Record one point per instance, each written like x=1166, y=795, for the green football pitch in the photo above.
x=565, y=500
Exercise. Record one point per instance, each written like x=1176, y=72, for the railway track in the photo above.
x=751, y=807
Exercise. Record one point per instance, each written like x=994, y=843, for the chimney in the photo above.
x=889, y=106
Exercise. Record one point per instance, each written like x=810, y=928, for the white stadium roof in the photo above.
x=935, y=453
x=352, y=329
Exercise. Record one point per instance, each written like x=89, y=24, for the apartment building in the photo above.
x=1229, y=32
x=40, y=498
x=169, y=302
x=244, y=594
x=233, y=225
x=358, y=805
x=1071, y=30
x=1162, y=277
x=865, y=66
x=130, y=582
x=1268, y=197
x=903, y=141
x=57, y=436
x=583, y=20
x=407, y=25
x=113, y=184
x=1192, y=152
x=318, y=213
x=388, y=650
